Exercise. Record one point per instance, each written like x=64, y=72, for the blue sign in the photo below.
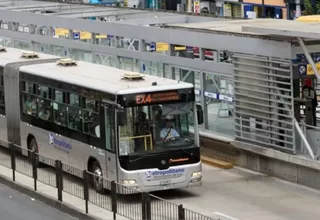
x=301, y=58
x=302, y=69
x=76, y=35
x=152, y=46
x=169, y=172
x=59, y=143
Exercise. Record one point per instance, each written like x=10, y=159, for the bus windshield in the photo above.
x=156, y=128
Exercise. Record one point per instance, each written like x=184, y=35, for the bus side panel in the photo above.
x=12, y=100
x=3, y=131
x=46, y=145
x=80, y=154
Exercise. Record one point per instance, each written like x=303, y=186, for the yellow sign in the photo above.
x=101, y=36
x=179, y=48
x=61, y=31
x=85, y=35
x=310, y=70
x=162, y=47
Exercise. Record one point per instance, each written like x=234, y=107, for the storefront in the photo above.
x=272, y=9
x=232, y=9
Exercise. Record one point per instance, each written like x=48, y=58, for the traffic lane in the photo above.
x=17, y=206
x=243, y=194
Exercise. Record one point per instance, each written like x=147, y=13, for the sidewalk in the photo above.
x=75, y=203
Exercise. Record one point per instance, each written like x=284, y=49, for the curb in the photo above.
x=66, y=208
x=216, y=163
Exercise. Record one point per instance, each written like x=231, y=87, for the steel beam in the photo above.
x=197, y=65
x=104, y=13
x=155, y=20
x=224, y=41
x=304, y=139
x=286, y=32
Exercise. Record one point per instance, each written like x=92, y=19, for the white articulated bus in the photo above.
x=125, y=126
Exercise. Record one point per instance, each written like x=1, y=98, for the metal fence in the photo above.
x=119, y=199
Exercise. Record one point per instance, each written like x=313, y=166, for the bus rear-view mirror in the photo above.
x=199, y=114
x=121, y=118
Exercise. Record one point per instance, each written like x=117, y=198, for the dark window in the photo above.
x=60, y=114
x=64, y=112
x=74, y=118
x=45, y=110
x=29, y=104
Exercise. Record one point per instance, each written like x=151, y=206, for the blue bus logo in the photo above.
x=59, y=143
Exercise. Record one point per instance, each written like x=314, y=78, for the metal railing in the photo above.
x=119, y=199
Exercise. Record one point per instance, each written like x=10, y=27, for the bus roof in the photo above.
x=14, y=55
x=102, y=78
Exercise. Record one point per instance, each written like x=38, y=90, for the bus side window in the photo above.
x=90, y=122
x=2, y=102
x=45, y=110
x=29, y=87
x=44, y=92
x=60, y=114
x=74, y=100
x=110, y=128
x=74, y=118
x=29, y=104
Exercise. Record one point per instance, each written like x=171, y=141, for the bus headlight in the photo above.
x=196, y=174
x=128, y=182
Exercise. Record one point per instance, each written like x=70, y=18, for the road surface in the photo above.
x=235, y=194
x=17, y=206
x=240, y=194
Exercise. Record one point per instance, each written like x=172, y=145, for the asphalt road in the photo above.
x=235, y=194
x=17, y=206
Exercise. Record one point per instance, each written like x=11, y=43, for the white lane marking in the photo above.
x=226, y=216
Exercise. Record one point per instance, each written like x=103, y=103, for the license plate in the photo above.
x=165, y=182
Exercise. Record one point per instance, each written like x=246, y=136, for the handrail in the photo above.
x=304, y=139
x=141, y=136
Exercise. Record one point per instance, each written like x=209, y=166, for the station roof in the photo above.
x=133, y=16
x=258, y=27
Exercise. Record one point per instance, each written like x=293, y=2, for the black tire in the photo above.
x=33, y=146
x=97, y=178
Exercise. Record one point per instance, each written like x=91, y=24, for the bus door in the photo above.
x=110, y=137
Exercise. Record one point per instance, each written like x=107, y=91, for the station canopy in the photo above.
x=134, y=16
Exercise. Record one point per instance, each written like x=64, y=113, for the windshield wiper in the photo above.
x=186, y=152
x=141, y=157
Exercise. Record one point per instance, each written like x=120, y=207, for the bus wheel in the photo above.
x=97, y=179
x=33, y=146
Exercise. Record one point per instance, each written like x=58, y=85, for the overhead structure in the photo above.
x=245, y=71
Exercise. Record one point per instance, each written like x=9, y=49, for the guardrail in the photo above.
x=128, y=203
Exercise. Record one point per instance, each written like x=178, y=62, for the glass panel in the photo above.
x=91, y=122
x=29, y=104
x=80, y=55
x=126, y=63
x=74, y=119
x=2, y=102
x=29, y=88
x=219, y=94
x=156, y=128
x=74, y=100
x=60, y=114
x=59, y=96
x=110, y=128
x=45, y=110
x=91, y=105
x=43, y=92
x=57, y=50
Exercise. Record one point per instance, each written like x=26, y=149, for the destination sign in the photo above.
x=157, y=97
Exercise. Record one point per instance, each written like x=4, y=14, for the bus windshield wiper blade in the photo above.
x=141, y=157
x=186, y=152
